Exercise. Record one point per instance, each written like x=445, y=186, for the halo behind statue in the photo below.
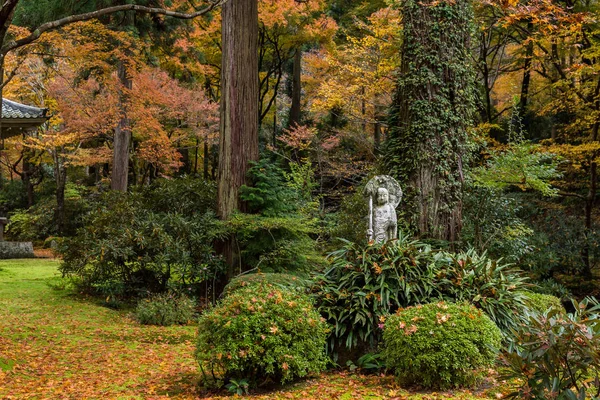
x=387, y=182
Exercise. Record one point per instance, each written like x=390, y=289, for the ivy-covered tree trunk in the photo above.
x=431, y=112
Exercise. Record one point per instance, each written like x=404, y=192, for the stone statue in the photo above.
x=384, y=195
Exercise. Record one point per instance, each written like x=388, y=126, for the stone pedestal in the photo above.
x=9, y=250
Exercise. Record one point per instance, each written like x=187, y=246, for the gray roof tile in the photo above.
x=11, y=109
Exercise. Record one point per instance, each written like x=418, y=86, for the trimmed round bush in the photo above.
x=165, y=309
x=543, y=302
x=261, y=334
x=283, y=281
x=440, y=345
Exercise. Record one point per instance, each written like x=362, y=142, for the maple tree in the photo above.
x=82, y=90
x=560, y=47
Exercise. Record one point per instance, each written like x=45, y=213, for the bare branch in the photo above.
x=49, y=26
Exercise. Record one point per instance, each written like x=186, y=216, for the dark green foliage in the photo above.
x=39, y=222
x=491, y=222
x=12, y=195
x=369, y=363
x=238, y=387
x=165, y=309
x=542, y=303
x=556, y=356
x=350, y=222
x=282, y=281
x=551, y=287
x=148, y=240
x=440, y=345
x=431, y=112
x=366, y=283
x=566, y=237
x=492, y=286
x=263, y=334
x=277, y=233
x=32, y=13
x=269, y=193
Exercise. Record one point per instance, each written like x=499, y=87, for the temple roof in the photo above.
x=14, y=110
x=18, y=118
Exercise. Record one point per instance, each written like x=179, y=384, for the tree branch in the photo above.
x=49, y=26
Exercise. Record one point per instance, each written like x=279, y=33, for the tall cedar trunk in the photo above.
x=120, y=171
x=431, y=112
x=60, y=176
x=239, y=109
x=296, y=90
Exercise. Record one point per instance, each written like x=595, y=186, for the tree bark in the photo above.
x=60, y=176
x=239, y=109
x=295, y=110
x=431, y=112
x=206, y=159
x=120, y=171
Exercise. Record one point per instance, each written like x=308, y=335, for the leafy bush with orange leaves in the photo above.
x=261, y=334
x=440, y=345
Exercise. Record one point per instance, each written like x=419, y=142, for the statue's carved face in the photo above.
x=383, y=197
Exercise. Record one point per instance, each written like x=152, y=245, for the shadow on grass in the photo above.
x=175, y=385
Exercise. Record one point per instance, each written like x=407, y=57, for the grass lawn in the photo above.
x=55, y=345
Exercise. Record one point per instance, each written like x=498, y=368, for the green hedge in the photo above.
x=261, y=334
x=440, y=345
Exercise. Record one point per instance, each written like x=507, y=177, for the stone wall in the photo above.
x=16, y=250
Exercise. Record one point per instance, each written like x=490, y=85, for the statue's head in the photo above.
x=383, y=197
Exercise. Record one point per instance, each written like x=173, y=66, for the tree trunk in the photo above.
x=526, y=83
x=589, y=207
x=26, y=177
x=239, y=109
x=206, y=159
x=60, y=176
x=376, y=137
x=295, y=110
x=432, y=110
x=120, y=169
x=487, y=114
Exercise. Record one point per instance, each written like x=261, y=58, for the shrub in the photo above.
x=492, y=286
x=278, y=232
x=541, y=303
x=365, y=283
x=165, y=309
x=39, y=221
x=550, y=286
x=282, y=281
x=148, y=240
x=556, y=356
x=440, y=345
x=261, y=333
